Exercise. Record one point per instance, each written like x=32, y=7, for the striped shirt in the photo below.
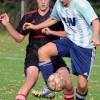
x=77, y=19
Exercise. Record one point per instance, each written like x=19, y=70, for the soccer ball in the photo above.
x=56, y=82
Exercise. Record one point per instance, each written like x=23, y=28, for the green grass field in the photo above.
x=12, y=76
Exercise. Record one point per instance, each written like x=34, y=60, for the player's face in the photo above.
x=43, y=4
x=64, y=2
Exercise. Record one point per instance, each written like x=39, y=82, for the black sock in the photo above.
x=80, y=96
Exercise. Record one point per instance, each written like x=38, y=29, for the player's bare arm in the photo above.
x=96, y=30
x=55, y=33
x=47, y=23
x=4, y=19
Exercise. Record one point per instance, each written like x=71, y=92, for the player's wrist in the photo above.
x=36, y=27
x=52, y=32
x=7, y=24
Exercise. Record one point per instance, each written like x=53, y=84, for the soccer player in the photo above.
x=82, y=25
x=36, y=40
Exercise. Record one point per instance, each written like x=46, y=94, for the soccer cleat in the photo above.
x=45, y=93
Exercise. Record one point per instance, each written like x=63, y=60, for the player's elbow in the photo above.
x=19, y=39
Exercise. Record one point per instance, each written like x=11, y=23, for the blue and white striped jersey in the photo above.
x=77, y=19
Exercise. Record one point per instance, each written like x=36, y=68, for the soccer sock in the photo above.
x=21, y=97
x=80, y=96
x=69, y=96
x=46, y=69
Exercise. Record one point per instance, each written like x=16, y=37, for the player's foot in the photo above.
x=44, y=93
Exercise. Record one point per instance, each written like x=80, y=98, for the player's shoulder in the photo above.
x=80, y=2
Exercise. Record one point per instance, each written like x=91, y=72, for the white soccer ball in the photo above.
x=56, y=82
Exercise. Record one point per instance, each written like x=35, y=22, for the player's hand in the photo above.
x=4, y=19
x=47, y=31
x=95, y=41
x=28, y=26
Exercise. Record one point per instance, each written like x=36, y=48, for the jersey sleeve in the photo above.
x=87, y=11
x=54, y=14
x=20, y=26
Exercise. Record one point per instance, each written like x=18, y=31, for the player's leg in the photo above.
x=82, y=89
x=68, y=91
x=45, y=64
x=31, y=71
x=61, y=68
x=31, y=78
x=82, y=60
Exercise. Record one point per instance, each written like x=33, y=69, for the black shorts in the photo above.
x=32, y=55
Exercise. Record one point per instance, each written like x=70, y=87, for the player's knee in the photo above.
x=32, y=74
x=82, y=86
x=82, y=83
